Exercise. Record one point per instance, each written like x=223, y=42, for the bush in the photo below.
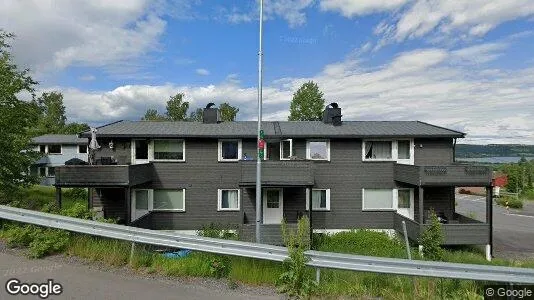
x=77, y=210
x=296, y=281
x=362, y=242
x=217, y=231
x=20, y=236
x=510, y=202
x=50, y=241
x=76, y=193
x=432, y=238
x=219, y=266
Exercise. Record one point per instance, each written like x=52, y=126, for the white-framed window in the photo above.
x=318, y=150
x=230, y=150
x=404, y=201
x=82, y=149
x=168, y=150
x=228, y=199
x=377, y=199
x=42, y=148
x=168, y=200
x=42, y=171
x=54, y=149
x=140, y=151
x=401, y=151
x=50, y=172
x=320, y=199
x=286, y=149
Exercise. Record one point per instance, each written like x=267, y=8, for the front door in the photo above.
x=273, y=206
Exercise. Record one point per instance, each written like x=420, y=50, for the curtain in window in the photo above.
x=168, y=199
x=368, y=149
x=230, y=199
x=381, y=150
x=404, y=149
x=404, y=199
x=378, y=198
x=170, y=149
x=318, y=150
x=230, y=150
x=319, y=199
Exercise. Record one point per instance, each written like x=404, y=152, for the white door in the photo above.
x=140, y=150
x=405, y=203
x=273, y=206
x=140, y=200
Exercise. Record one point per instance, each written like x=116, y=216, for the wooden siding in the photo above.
x=412, y=227
x=271, y=233
x=103, y=175
x=444, y=175
x=278, y=173
x=112, y=201
x=433, y=151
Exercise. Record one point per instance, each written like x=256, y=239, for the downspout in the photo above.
x=454, y=151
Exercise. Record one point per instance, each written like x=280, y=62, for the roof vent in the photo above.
x=332, y=114
x=211, y=115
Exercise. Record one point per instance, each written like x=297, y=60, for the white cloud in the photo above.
x=202, y=72
x=87, y=77
x=86, y=33
x=351, y=8
x=474, y=18
x=292, y=11
x=433, y=85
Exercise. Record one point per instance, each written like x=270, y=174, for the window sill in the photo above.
x=228, y=160
x=379, y=160
x=378, y=209
x=168, y=160
x=321, y=209
x=228, y=209
x=169, y=210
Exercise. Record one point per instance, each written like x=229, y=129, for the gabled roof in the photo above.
x=274, y=129
x=63, y=139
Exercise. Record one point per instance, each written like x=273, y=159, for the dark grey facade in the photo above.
x=430, y=177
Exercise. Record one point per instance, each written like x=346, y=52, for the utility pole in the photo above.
x=260, y=152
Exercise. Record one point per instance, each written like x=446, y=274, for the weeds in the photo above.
x=432, y=238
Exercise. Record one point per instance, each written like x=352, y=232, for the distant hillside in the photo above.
x=499, y=150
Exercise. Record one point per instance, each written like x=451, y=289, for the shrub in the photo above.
x=362, y=242
x=76, y=193
x=219, y=266
x=77, y=210
x=217, y=231
x=432, y=238
x=50, y=241
x=296, y=281
x=16, y=235
x=510, y=202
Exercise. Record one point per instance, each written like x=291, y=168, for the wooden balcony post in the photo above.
x=489, y=216
x=128, y=205
x=421, y=197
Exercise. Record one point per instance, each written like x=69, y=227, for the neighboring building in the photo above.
x=56, y=150
x=353, y=174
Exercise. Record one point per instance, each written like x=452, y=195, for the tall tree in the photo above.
x=153, y=115
x=196, y=115
x=307, y=103
x=74, y=128
x=228, y=112
x=16, y=118
x=52, y=118
x=177, y=108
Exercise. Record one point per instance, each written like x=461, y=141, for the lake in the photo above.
x=493, y=160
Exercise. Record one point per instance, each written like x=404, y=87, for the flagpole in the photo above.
x=259, y=158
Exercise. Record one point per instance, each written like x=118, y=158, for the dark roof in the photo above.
x=275, y=129
x=64, y=139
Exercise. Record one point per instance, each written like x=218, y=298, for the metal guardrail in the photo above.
x=260, y=251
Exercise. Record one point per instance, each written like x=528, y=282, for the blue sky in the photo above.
x=466, y=65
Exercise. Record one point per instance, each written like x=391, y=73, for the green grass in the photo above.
x=42, y=197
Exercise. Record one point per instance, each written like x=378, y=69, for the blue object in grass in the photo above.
x=177, y=254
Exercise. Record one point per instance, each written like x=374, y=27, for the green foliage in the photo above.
x=52, y=117
x=510, y=202
x=296, y=280
x=307, y=104
x=219, y=231
x=432, y=238
x=75, y=128
x=76, y=193
x=362, y=242
x=18, y=235
x=50, y=241
x=177, y=108
x=498, y=150
x=77, y=210
x=153, y=115
x=228, y=112
x=219, y=266
x=196, y=115
x=17, y=117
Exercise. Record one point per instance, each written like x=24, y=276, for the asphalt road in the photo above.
x=513, y=230
x=82, y=282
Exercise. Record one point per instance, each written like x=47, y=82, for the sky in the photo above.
x=467, y=64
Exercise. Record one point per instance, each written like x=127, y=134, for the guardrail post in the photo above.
x=132, y=252
x=406, y=240
x=317, y=275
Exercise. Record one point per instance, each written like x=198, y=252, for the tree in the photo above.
x=16, y=118
x=153, y=115
x=177, y=108
x=196, y=116
x=52, y=118
x=228, y=112
x=74, y=128
x=307, y=103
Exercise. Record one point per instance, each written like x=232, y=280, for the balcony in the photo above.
x=278, y=173
x=461, y=230
x=447, y=175
x=103, y=175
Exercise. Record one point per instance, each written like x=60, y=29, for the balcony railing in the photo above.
x=458, y=175
x=103, y=175
x=278, y=173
